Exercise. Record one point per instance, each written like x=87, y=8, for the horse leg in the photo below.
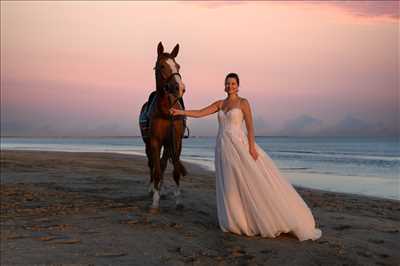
x=149, y=163
x=156, y=174
x=163, y=165
x=177, y=192
x=178, y=140
x=179, y=170
x=164, y=160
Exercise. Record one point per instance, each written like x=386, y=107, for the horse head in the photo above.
x=168, y=78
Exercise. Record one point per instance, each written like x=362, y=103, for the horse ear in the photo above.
x=175, y=51
x=160, y=49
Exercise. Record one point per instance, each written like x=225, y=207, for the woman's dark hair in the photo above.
x=232, y=75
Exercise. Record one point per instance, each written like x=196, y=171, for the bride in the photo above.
x=253, y=198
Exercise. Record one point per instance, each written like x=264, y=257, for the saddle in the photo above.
x=144, y=118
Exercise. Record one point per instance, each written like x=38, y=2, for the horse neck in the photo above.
x=162, y=102
x=162, y=99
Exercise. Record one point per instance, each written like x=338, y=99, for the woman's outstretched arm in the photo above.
x=212, y=108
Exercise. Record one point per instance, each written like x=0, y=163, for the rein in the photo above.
x=171, y=121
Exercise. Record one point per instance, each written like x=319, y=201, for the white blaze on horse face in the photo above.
x=177, y=78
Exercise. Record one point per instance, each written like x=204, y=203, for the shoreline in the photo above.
x=93, y=208
x=203, y=167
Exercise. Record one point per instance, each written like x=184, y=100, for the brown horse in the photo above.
x=164, y=131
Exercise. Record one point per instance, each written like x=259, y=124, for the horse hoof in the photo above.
x=154, y=210
x=179, y=206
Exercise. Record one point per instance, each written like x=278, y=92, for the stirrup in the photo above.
x=188, y=133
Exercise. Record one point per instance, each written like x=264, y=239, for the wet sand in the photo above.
x=92, y=208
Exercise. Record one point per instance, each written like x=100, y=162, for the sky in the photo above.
x=84, y=68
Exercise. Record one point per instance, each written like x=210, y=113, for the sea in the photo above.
x=358, y=165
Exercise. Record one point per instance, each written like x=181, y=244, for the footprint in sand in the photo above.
x=110, y=254
x=365, y=254
x=342, y=227
x=46, y=238
x=69, y=241
x=203, y=213
x=376, y=241
x=382, y=255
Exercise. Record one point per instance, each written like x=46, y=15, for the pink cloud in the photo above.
x=370, y=8
x=217, y=4
x=366, y=9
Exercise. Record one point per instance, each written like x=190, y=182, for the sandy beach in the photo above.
x=92, y=208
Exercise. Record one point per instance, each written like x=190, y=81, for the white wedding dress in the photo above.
x=253, y=198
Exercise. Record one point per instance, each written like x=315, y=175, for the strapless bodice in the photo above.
x=230, y=122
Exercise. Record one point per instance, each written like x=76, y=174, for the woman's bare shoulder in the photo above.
x=243, y=102
x=218, y=103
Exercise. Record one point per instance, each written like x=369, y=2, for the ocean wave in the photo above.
x=339, y=155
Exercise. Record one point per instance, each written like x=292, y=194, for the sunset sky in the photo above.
x=79, y=68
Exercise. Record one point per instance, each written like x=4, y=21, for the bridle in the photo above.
x=166, y=88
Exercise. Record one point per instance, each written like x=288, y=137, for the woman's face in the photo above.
x=231, y=86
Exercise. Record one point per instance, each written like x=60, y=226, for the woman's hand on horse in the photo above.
x=173, y=111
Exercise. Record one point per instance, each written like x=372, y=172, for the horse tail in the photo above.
x=178, y=166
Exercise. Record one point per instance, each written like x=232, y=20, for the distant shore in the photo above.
x=200, y=136
x=92, y=208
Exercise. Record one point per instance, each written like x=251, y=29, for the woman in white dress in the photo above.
x=253, y=198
